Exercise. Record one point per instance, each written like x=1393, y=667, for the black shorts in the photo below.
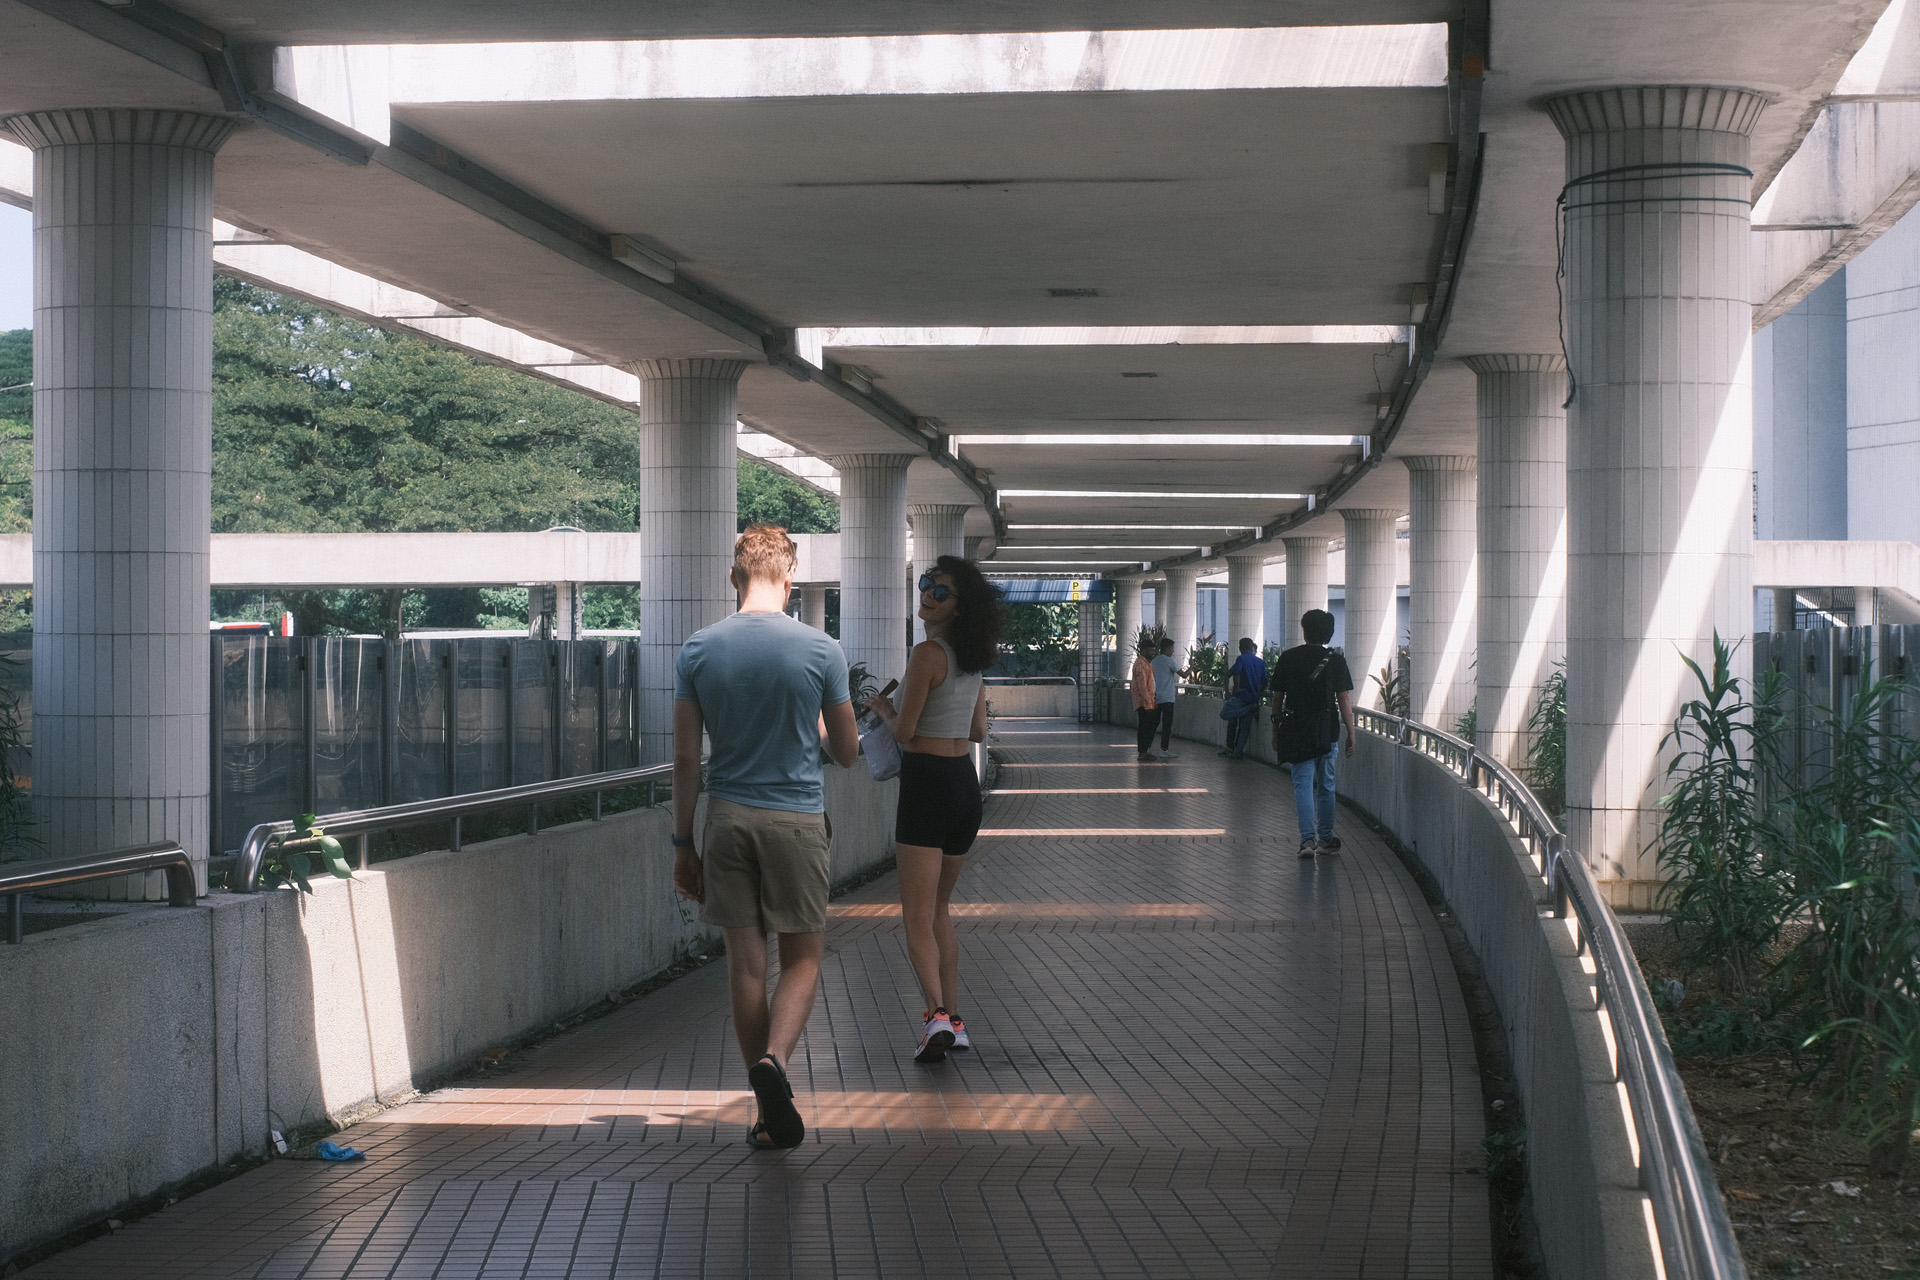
x=939, y=802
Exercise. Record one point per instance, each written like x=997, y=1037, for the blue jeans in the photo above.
x=1240, y=733
x=1313, y=796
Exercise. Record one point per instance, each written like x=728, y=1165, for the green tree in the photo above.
x=768, y=497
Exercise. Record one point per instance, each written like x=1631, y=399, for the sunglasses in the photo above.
x=941, y=591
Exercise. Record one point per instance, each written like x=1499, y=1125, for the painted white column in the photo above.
x=1373, y=598
x=939, y=529
x=1126, y=625
x=688, y=522
x=122, y=480
x=974, y=545
x=1247, y=599
x=1522, y=541
x=1441, y=627
x=1158, y=586
x=1306, y=582
x=875, y=602
x=1182, y=608
x=1660, y=440
x=813, y=605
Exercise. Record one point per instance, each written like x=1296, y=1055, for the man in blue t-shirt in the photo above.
x=770, y=693
x=1246, y=682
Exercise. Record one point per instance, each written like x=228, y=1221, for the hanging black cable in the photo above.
x=1657, y=171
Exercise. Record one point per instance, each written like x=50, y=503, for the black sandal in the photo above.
x=759, y=1139
x=779, y=1118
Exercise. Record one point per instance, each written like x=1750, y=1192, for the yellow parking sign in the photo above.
x=1077, y=589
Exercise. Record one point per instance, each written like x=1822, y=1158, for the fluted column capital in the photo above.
x=661, y=370
x=1354, y=515
x=92, y=126
x=1711, y=108
x=1516, y=363
x=935, y=509
x=1305, y=542
x=1440, y=462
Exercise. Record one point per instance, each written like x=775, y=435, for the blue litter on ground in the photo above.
x=333, y=1151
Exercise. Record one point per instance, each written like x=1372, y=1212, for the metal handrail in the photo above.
x=129, y=860
x=1696, y=1237
x=245, y=877
x=1028, y=680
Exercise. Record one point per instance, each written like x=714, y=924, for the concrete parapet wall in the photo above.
x=1580, y=1165
x=159, y=1044
x=1034, y=700
x=1581, y=1170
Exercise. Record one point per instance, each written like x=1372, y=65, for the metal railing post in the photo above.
x=216, y=732
x=309, y=729
x=599, y=715
x=16, y=918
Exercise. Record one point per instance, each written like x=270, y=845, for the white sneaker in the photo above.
x=960, y=1040
x=936, y=1039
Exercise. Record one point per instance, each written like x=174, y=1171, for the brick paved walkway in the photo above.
x=1197, y=1056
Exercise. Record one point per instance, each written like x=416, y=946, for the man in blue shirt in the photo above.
x=1246, y=681
x=770, y=693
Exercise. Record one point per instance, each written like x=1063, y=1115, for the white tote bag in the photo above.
x=878, y=746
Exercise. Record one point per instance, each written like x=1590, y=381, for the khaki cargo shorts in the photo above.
x=765, y=867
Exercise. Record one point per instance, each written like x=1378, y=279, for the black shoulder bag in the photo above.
x=1307, y=732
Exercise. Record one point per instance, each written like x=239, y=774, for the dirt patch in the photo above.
x=1799, y=1196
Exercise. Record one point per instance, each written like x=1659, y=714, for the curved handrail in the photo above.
x=128, y=860
x=1696, y=1237
x=245, y=877
x=1007, y=680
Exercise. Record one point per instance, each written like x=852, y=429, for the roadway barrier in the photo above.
x=163, y=1042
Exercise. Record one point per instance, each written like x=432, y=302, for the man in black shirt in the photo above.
x=1311, y=687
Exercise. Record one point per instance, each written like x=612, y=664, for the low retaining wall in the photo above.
x=1034, y=700
x=160, y=1044
x=1580, y=1163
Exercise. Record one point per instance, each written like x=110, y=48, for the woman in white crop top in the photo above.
x=942, y=713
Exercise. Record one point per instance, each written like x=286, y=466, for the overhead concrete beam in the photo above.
x=387, y=560
x=1811, y=563
x=1856, y=173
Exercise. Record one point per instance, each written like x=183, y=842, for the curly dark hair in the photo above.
x=975, y=635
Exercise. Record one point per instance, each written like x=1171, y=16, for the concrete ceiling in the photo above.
x=382, y=21
x=1264, y=206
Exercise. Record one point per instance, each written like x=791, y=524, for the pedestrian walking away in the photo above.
x=1246, y=685
x=1166, y=686
x=770, y=694
x=941, y=714
x=1312, y=699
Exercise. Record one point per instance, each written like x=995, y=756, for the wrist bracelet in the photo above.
x=683, y=843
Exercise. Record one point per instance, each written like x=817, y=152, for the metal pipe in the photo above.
x=129, y=860
x=246, y=871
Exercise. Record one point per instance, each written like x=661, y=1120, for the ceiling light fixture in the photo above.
x=1145, y=493
x=1251, y=439
x=1165, y=528
x=1195, y=335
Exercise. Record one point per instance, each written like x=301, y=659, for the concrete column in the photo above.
x=1093, y=619
x=1247, y=598
x=939, y=529
x=1660, y=439
x=1306, y=582
x=1522, y=571
x=974, y=545
x=1158, y=586
x=1373, y=598
x=1786, y=604
x=875, y=603
x=1865, y=614
x=1444, y=593
x=1181, y=613
x=1126, y=625
x=813, y=605
x=122, y=479
x=554, y=611
x=688, y=521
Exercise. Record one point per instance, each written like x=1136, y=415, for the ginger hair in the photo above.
x=765, y=553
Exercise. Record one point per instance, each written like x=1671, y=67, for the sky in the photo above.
x=16, y=268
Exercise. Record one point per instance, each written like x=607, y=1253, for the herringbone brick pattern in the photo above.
x=1196, y=1056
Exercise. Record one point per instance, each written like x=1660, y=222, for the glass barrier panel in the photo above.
x=261, y=734
x=346, y=741
x=420, y=716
